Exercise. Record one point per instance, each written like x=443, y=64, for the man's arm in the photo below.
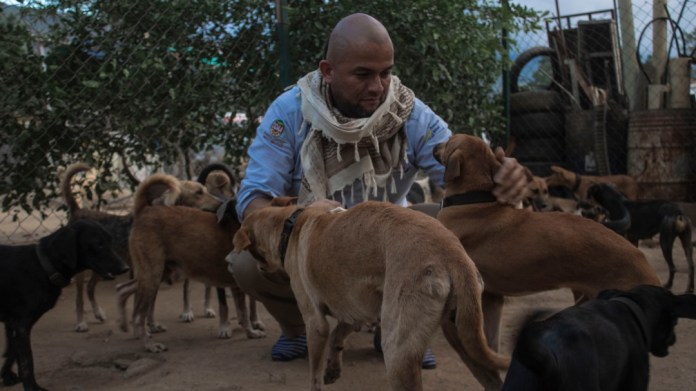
x=255, y=204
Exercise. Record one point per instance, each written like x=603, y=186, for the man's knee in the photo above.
x=244, y=268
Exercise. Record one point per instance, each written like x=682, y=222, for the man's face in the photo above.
x=359, y=78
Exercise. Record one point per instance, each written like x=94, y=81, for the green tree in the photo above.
x=149, y=79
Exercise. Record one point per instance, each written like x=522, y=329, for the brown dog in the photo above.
x=166, y=239
x=359, y=267
x=520, y=252
x=579, y=184
x=178, y=192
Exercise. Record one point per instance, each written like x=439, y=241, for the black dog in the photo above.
x=31, y=279
x=646, y=219
x=602, y=344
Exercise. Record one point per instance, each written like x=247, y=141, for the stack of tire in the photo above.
x=537, y=119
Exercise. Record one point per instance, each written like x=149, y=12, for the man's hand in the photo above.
x=511, y=179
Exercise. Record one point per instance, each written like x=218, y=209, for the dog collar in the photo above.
x=53, y=275
x=638, y=314
x=576, y=185
x=288, y=225
x=471, y=197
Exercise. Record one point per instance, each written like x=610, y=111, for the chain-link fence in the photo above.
x=608, y=92
x=138, y=87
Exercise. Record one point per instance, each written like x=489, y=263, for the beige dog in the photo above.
x=362, y=267
x=580, y=183
x=166, y=240
x=520, y=252
x=178, y=192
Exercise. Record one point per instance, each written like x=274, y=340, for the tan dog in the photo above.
x=579, y=184
x=187, y=193
x=168, y=239
x=537, y=194
x=520, y=252
x=361, y=267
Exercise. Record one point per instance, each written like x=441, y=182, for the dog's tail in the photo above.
x=157, y=189
x=466, y=330
x=65, y=185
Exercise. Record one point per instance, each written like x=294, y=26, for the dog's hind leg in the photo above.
x=224, y=326
x=98, y=312
x=81, y=325
x=492, y=305
x=685, y=239
x=254, y=316
x=335, y=360
x=667, y=237
x=187, y=314
x=209, y=312
x=123, y=292
x=19, y=344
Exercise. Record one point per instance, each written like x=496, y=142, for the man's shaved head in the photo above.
x=355, y=31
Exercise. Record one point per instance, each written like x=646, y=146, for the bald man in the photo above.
x=347, y=132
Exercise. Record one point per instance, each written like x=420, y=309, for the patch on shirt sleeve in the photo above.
x=277, y=127
x=428, y=134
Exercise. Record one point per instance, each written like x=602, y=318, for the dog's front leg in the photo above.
x=318, y=329
x=9, y=378
x=20, y=344
x=242, y=314
x=333, y=365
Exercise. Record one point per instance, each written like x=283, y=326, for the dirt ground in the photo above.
x=104, y=358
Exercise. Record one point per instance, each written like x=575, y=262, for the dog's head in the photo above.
x=469, y=162
x=218, y=180
x=261, y=235
x=196, y=195
x=537, y=194
x=81, y=245
x=662, y=310
x=604, y=193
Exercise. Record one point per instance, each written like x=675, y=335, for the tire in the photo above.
x=524, y=58
x=534, y=125
x=542, y=149
x=535, y=102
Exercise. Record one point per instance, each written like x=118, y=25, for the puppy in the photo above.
x=520, y=252
x=579, y=184
x=360, y=267
x=603, y=344
x=32, y=278
x=166, y=239
x=647, y=218
x=178, y=193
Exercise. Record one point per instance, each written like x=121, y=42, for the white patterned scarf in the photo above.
x=340, y=150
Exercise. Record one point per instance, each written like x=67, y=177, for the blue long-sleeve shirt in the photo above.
x=275, y=168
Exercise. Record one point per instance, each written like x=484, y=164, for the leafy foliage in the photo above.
x=152, y=79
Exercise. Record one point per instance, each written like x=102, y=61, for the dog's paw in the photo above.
x=255, y=334
x=225, y=331
x=9, y=378
x=258, y=325
x=332, y=373
x=155, y=347
x=210, y=313
x=99, y=314
x=81, y=327
x=156, y=327
x=187, y=317
x=123, y=325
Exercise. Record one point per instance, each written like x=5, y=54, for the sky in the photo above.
x=567, y=7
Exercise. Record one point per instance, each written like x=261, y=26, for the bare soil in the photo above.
x=104, y=358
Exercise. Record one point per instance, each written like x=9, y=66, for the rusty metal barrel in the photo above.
x=662, y=153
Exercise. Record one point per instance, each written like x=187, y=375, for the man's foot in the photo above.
x=287, y=349
x=429, y=361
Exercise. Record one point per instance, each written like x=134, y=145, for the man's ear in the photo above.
x=241, y=241
x=326, y=69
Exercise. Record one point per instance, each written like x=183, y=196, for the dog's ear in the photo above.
x=685, y=306
x=452, y=166
x=61, y=246
x=438, y=151
x=241, y=241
